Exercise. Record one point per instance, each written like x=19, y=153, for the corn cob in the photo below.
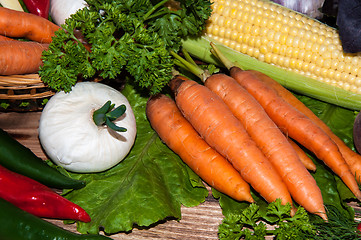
x=307, y=50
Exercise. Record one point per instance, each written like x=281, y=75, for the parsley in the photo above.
x=125, y=36
x=24, y=104
x=4, y=105
x=251, y=223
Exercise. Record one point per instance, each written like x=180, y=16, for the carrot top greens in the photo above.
x=125, y=37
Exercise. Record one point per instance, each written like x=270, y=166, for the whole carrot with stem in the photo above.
x=179, y=135
x=20, y=57
x=26, y=25
x=190, y=65
x=214, y=121
x=352, y=158
x=294, y=123
x=268, y=137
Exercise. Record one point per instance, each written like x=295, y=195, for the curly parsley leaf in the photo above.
x=64, y=62
x=183, y=18
x=125, y=37
x=251, y=223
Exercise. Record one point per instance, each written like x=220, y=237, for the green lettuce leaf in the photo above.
x=149, y=185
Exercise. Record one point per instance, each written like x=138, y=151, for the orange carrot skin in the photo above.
x=298, y=126
x=214, y=121
x=306, y=161
x=352, y=159
x=3, y=38
x=26, y=25
x=179, y=135
x=272, y=142
x=20, y=57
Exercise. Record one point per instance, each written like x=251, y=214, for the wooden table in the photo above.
x=199, y=222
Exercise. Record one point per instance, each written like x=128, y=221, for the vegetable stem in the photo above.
x=155, y=15
x=188, y=57
x=226, y=62
x=190, y=65
x=146, y=16
x=107, y=114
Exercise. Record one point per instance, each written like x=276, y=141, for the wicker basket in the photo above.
x=23, y=93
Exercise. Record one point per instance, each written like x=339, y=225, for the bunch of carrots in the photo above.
x=23, y=38
x=238, y=131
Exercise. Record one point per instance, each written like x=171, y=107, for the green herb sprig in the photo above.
x=122, y=36
x=251, y=223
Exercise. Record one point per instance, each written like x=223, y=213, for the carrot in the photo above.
x=306, y=161
x=298, y=126
x=190, y=65
x=272, y=142
x=293, y=122
x=26, y=25
x=180, y=136
x=3, y=38
x=214, y=121
x=20, y=57
x=352, y=159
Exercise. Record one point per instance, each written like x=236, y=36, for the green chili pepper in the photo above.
x=18, y=158
x=16, y=224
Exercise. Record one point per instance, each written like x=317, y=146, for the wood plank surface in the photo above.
x=197, y=223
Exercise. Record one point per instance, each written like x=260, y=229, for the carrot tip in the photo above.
x=250, y=199
x=293, y=211
x=323, y=216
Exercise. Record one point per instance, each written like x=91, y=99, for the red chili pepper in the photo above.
x=37, y=198
x=38, y=7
